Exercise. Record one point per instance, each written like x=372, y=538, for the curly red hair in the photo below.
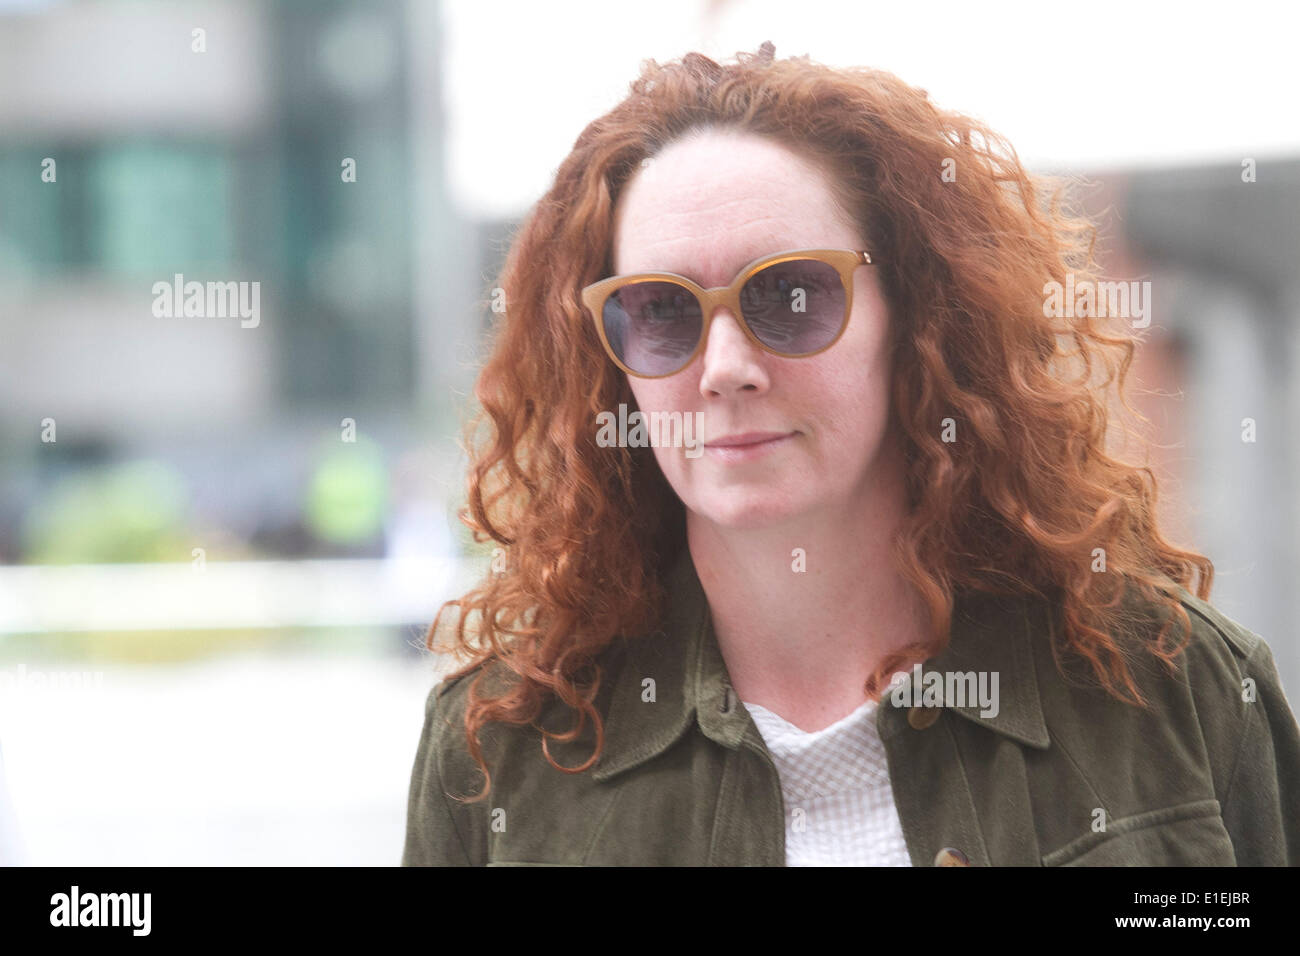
x=1017, y=506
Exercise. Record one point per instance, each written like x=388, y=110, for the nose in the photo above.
x=731, y=361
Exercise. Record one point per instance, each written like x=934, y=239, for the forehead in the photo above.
x=707, y=205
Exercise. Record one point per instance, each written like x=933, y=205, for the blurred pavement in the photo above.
x=256, y=760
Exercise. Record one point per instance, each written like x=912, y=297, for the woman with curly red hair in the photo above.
x=899, y=606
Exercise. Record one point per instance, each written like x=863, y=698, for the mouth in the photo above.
x=743, y=439
x=746, y=446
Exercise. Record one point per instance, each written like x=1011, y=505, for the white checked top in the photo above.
x=839, y=805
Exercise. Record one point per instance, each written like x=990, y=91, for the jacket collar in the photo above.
x=997, y=634
x=691, y=684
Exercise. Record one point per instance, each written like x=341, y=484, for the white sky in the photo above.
x=1090, y=85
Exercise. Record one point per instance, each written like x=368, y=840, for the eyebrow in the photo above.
x=734, y=272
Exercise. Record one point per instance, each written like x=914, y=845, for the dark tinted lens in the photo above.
x=653, y=327
x=795, y=307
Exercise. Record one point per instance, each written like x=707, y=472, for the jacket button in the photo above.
x=951, y=856
x=922, y=717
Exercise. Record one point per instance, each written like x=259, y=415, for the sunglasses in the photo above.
x=793, y=304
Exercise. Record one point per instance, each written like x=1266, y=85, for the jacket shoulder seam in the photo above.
x=1247, y=726
x=1243, y=642
x=450, y=683
x=1244, y=646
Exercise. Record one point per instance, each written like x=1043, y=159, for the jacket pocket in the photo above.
x=1190, y=834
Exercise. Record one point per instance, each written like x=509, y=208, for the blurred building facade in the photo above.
x=298, y=145
x=231, y=163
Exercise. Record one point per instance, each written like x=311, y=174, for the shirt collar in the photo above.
x=675, y=676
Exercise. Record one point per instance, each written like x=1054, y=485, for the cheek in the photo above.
x=660, y=395
x=852, y=389
x=668, y=395
x=653, y=395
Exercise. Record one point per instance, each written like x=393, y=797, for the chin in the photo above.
x=746, y=512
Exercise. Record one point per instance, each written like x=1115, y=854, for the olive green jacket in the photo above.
x=1062, y=775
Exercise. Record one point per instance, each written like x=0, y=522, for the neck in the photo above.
x=806, y=610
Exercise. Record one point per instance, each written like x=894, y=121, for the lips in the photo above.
x=745, y=438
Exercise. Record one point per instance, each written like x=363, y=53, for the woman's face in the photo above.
x=703, y=208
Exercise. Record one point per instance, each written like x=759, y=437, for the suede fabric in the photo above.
x=1063, y=774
